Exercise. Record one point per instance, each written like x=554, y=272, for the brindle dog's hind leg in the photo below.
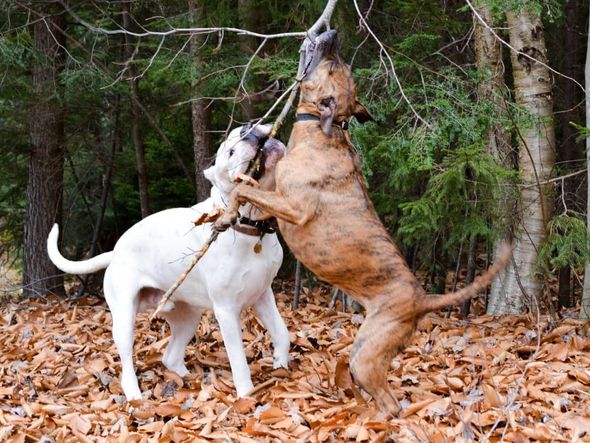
x=380, y=337
x=269, y=202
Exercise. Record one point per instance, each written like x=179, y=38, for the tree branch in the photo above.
x=389, y=59
x=173, y=31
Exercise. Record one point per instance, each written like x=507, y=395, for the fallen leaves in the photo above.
x=481, y=379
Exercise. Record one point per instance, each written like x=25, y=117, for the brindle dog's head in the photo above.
x=328, y=88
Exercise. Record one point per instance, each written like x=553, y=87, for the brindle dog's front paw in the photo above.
x=224, y=222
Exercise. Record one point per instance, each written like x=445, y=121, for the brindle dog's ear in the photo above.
x=327, y=106
x=361, y=113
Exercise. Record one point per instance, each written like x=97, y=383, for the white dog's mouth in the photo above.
x=268, y=151
x=243, y=147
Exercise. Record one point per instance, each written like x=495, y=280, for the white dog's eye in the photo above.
x=231, y=152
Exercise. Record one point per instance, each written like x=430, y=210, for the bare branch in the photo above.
x=173, y=31
x=152, y=58
x=324, y=20
x=391, y=65
x=242, y=82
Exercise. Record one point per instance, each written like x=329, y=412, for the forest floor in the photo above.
x=513, y=379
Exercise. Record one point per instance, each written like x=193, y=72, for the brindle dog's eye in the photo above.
x=231, y=152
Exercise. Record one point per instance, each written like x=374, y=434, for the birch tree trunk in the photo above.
x=516, y=288
x=46, y=163
x=585, y=307
x=488, y=58
x=199, y=111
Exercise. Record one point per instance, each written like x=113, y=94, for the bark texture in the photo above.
x=142, y=175
x=46, y=164
x=488, y=58
x=519, y=284
x=199, y=110
x=570, y=151
x=585, y=305
x=250, y=16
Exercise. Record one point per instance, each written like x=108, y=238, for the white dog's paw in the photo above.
x=132, y=394
x=244, y=389
x=280, y=362
x=179, y=368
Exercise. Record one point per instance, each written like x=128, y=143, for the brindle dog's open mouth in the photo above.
x=325, y=45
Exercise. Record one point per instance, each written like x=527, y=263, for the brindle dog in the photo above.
x=327, y=219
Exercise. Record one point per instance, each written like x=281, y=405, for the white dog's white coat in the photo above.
x=231, y=276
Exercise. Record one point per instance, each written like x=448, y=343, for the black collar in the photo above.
x=310, y=117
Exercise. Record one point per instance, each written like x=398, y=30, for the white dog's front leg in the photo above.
x=229, y=324
x=266, y=310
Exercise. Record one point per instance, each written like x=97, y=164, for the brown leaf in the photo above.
x=271, y=413
x=492, y=397
x=68, y=379
x=167, y=410
x=342, y=376
x=580, y=425
x=244, y=405
x=517, y=437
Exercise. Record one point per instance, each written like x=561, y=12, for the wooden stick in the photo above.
x=183, y=276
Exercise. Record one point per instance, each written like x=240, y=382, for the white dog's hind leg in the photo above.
x=123, y=306
x=267, y=312
x=229, y=324
x=184, y=320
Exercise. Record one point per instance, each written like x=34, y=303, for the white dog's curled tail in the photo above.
x=75, y=267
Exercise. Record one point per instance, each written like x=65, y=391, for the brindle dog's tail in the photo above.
x=429, y=303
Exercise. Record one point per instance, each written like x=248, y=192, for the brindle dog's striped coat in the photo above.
x=328, y=221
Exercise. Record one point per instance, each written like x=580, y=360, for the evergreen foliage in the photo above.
x=568, y=244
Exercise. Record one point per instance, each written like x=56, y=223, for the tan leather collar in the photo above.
x=255, y=228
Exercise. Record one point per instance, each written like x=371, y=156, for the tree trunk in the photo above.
x=585, y=305
x=519, y=284
x=250, y=15
x=46, y=164
x=297, y=290
x=199, y=110
x=488, y=57
x=136, y=121
x=471, y=256
x=107, y=178
x=570, y=151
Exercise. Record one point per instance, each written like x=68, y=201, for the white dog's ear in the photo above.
x=209, y=174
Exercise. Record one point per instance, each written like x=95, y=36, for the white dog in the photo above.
x=236, y=272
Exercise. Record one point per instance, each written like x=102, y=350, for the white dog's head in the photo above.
x=236, y=153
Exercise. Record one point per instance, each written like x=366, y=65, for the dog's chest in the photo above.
x=315, y=169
